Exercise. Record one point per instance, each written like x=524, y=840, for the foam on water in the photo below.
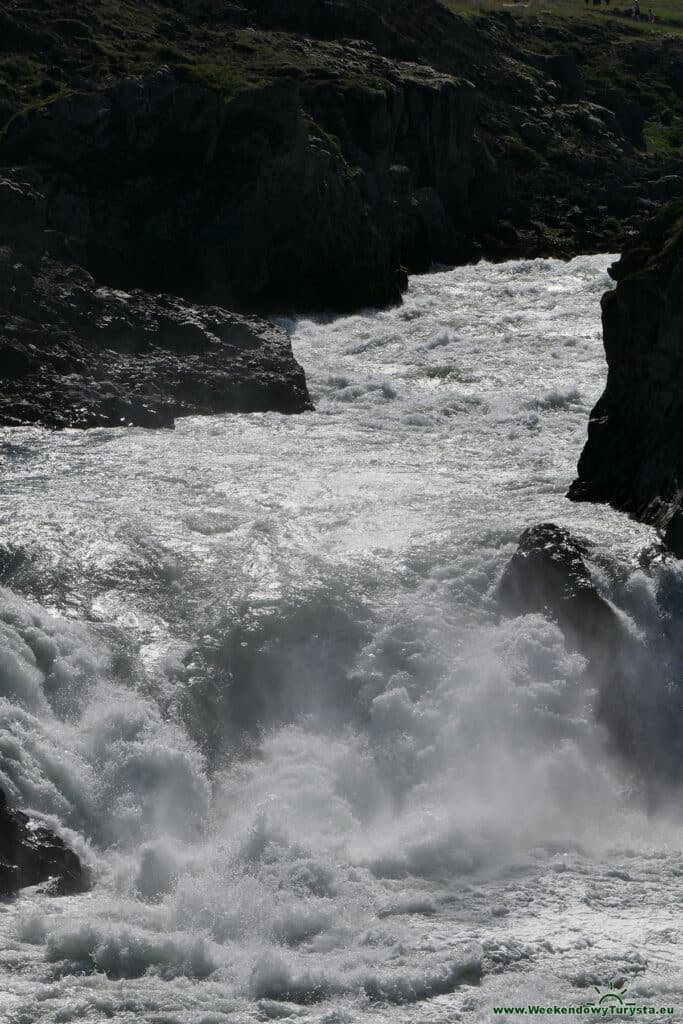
x=254, y=672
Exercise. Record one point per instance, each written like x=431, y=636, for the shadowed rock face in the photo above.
x=274, y=155
x=164, y=184
x=31, y=853
x=73, y=354
x=633, y=458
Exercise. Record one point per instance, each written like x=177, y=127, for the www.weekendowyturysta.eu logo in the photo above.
x=611, y=996
x=609, y=1001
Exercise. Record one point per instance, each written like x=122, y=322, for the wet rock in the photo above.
x=30, y=853
x=673, y=534
x=548, y=574
x=633, y=458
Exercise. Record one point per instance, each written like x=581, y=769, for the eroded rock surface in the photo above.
x=30, y=853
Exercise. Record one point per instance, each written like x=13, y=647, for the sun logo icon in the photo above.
x=610, y=995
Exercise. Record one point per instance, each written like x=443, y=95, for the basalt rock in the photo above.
x=633, y=458
x=279, y=197
x=283, y=156
x=548, y=574
x=30, y=853
x=74, y=354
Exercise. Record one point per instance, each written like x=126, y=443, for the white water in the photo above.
x=254, y=672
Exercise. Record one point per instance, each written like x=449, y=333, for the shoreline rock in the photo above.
x=633, y=458
x=73, y=354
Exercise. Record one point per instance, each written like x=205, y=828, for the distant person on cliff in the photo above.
x=650, y=16
x=636, y=9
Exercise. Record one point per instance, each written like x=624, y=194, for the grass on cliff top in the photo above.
x=668, y=13
x=666, y=140
x=49, y=48
x=28, y=82
x=251, y=57
x=604, y=41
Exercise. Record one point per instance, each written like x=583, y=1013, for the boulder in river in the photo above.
x=548, y=574
x=30, y=853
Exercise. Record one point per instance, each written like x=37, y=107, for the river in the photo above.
x=253, y=670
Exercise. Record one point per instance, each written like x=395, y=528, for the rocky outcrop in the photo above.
x=633, y=458
x=268, y=155
x=73, y=354
x=253, y=201
x=548, y=574
x=30, y=853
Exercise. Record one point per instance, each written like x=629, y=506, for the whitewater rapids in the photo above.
x=253, y=671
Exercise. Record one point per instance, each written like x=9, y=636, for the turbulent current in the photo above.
x=254, y=672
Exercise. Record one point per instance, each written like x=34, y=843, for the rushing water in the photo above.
x=254, y=672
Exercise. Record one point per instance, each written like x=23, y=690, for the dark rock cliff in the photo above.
x=270, y=155
x=73, y=354
x=633, y=458
x=160, y=183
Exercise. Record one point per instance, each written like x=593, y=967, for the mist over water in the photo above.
x=254, y=671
